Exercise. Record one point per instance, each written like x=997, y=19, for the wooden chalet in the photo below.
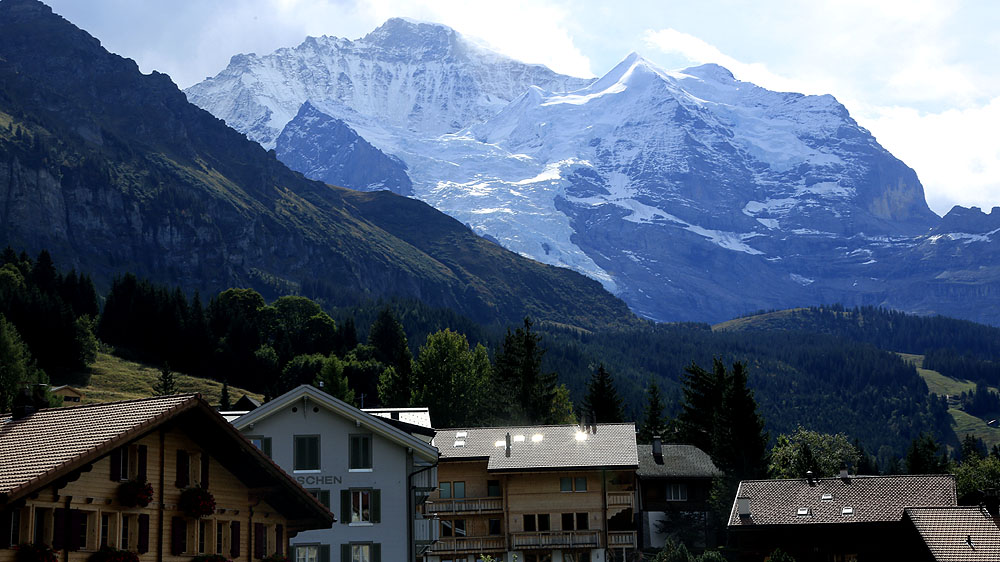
x=75, y=480
x=540, y=493
x=843, y=519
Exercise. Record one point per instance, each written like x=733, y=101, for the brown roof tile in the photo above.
x=611, y=445
x=873, y=499
x=48, y=439
x=957, y=534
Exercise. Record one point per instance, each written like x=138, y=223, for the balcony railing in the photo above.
x=620, y=499
x=473, y=545
x=464, y=505
x=621, y=539
x=557, y=539
x=426, y=530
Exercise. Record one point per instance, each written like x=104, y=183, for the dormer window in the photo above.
x=847, y=511
x=803, y=512
x=827, y=497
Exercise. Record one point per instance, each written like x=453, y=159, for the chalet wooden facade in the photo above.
x=164, y=478
x=542, y=493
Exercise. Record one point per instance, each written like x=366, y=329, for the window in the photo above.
x=567, y=521
x=307, y=553
x=493, y=488
x=43, y=526
x=676, y=492
x=494, y=526
x=448, y=528
x=361, y=506
x=571, y=484
x=583, y=556
x=361, y=452
x=565, y=484
x=460, y=527
x=220, y=537
x=105, y=529
x=536, y=522
x=262, y=443
x=444, y=490
x=322, y=495
x=543, y=557
x=13, y=534
x=203, y=535
x=126, y=542
x=306, y=452
x=361, y=553
x=582, y=522
x=459, y=489
x=580, y=484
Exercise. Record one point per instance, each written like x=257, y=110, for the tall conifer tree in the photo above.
x=602, y=402
x=653, y=421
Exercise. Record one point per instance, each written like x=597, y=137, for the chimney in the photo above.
x=809, y=478
x=843, y=472
x=24, y=404
x=743, y=507
x=508, y=444
x=657, y=449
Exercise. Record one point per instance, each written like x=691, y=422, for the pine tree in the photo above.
x=739, y=444
x=388, y=339
x=602, y=402
x=165, y=384
x=702, y=397
x=224, y=401
x=922, y=456
x=653, y=422
x=518, y=372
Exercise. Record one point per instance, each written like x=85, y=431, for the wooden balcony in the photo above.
x=473, y=545
x=621, y=499
x=556, y=539
x=464, y=505
x=621, y=539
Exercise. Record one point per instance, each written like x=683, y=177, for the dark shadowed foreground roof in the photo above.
x=676, y=461
x=36, y=445
x=957, y=534
x=52, y=444
x=542, y=447
x=870, y=499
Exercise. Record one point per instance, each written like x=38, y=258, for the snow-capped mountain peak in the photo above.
x=690, y=193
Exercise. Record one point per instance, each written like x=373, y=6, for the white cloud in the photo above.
x=955, y=152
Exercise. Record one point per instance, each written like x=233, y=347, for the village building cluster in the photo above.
x=306, y=477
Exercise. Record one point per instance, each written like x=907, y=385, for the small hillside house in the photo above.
x=848, y=518
x=368, y=470
x=549, y=493
x=165, y=478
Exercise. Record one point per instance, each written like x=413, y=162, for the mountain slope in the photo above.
x=328, y=150
x=690, y=194
x=113, y=170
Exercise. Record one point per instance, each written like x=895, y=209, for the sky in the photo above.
x=922, y=75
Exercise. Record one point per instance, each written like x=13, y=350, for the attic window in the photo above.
x=461, y=434
x=803, y=512
x=847, y=511
x=499, y=443
x=518, y=438
x=536, y=438
x=827, y=497
x=460, y=443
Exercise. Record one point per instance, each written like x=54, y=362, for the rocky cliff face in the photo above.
x=115, y=171
x=328, y=150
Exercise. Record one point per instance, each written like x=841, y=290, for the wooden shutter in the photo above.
x=77, y=527
x=234, y=540
x=204, y=469
x=324, y=498
x=140, y=473
x=116, y=464
x=6, y=518
x=143, y=540
x=377, y=552
x=376, y=506
x=324, y=553
x=59, y=529
x=345, y=506
x=265, y=444
x=178, y=535
x=183, y=469
x=279, y=540
x=345, y=553
x=258, y=541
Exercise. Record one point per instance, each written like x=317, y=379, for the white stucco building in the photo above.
x=371, y=472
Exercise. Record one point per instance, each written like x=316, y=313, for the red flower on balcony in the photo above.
x=134, y=493
x=197, y=502
x=112, y=554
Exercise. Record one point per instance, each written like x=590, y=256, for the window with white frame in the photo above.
x=307, y=553
x=676, y=492
x=361, y=506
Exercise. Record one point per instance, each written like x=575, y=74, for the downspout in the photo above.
x=159, y=510
x=411, y=511
x=604, y=507
x=66, y=528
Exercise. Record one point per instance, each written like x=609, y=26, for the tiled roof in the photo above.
x=677, y=461
x=49, y=438
x=957, y=534
x=542, y=447
x=873, y=499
